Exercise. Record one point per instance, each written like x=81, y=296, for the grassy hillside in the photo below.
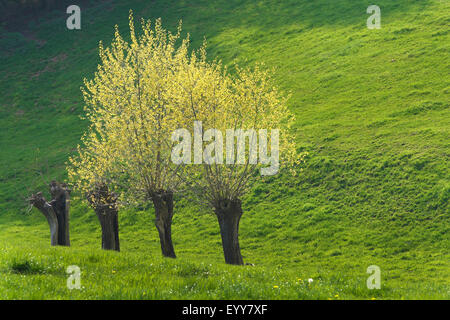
x=372, y=109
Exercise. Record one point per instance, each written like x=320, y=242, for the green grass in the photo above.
x=36, y=271
x=372, y=110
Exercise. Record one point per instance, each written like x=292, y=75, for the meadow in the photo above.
x=372, y=110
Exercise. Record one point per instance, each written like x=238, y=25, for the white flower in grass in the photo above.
x=310, y=280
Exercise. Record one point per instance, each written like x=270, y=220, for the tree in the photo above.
x=131, y=114
x=245, y=105
x=56, y=212
x=91, y=172
x=150, y=93
x=104, y=203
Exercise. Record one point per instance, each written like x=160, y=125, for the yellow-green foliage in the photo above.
x=246, y=99
x=128, y=104
x=144, y=90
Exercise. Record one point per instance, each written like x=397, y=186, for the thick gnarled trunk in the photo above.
x=104, y=203
x=109, y=223
x=56, y=212
x=163, y=203
x=228, y=214
x=61, y=204
x=39, y=202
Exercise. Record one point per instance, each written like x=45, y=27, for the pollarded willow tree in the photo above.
x=129, y=105
x=240, y=126
x=92, y=171
x=56, y=211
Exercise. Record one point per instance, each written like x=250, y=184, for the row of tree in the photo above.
x=146, y=88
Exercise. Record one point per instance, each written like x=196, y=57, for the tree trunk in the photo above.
x=39, y=202
x=60, y=203
x=56, y=211
x=228, y=214
x=163, y=203
x=108, y=218
x=104, y=203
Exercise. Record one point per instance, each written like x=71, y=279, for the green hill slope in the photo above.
x=372, y=109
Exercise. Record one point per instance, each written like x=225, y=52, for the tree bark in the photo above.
x=163, y=203
x=228, y=214
x=39, y=202
x=104, y=203
x=108, y=218
x=56, y=212
x=61, y=204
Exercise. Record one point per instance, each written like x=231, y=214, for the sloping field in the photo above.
x=372, y=110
